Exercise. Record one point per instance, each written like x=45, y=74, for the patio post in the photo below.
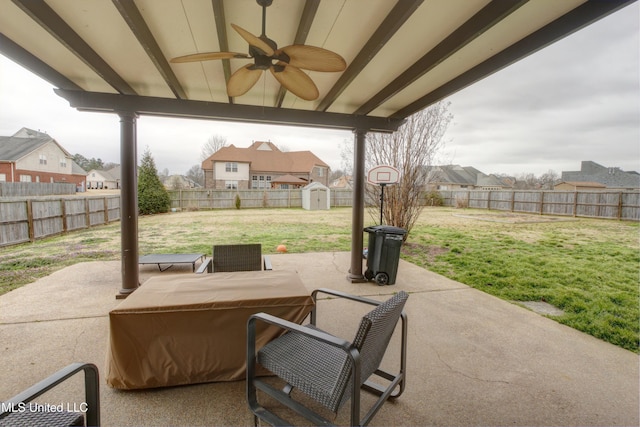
x=357, y=221
x=128, y=203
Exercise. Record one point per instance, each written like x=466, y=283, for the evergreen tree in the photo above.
x=152, y=196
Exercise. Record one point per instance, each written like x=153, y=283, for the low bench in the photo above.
x=171, y=259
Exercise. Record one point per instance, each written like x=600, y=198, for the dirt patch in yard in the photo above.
x=417, y=249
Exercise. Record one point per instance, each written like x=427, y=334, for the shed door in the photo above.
x=318, y=198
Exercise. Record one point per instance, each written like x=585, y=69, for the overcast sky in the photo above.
x=578, y=99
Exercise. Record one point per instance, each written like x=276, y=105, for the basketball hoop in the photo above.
x=383, y=175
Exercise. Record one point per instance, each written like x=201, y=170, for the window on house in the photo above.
x=320, y=171
x=63, y=162
x=43, y=159
x=25, y=178
x=231, y=167
x=3, y=177
x=38, y=178
x=231, y=185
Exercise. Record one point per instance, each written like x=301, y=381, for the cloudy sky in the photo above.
x=578, y=99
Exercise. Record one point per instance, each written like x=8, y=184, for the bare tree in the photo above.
x=549, y=179
x=196, y=174
x=212, y=145
x=411, y=150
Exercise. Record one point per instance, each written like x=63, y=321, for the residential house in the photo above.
x=579, y=186
x=179, y=182
x=344, y=182
x=262, y=166
x=104, y=179
x=611, y=177
x=456, y=177
x=34, y=156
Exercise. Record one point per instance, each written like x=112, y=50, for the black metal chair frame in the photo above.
x=10, y=413
x=239, y=257
x=283, y=396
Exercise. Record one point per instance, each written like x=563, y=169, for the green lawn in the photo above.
x=588, y=268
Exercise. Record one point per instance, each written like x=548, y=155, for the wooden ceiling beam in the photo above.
x=392, y=23
x=132, y=16
x=486, y=18
x=168, y=107
x=48, y=19
x=578, y=18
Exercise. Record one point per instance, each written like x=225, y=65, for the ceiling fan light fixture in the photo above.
x=288, y=66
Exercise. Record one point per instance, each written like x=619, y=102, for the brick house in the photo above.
x=32, y=156
x=262, y=166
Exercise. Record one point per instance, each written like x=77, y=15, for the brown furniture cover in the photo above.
x=187, y=329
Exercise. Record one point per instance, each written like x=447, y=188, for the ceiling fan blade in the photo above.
x=254, y=41
x=242, y=80
x=208, y=57
x=313, y=58
x=296, y=81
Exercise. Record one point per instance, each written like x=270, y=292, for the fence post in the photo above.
x=63, y=210
x=620, y=205
x=87, y=213
x=542, y=203
x=106, y=211
x=32, y=232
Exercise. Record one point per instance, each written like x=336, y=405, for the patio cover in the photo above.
x=113, y=56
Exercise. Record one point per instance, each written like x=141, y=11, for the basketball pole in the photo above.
x=381, y=201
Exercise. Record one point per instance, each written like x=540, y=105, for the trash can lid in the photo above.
x=386, y=229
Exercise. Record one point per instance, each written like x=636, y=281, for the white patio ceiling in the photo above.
x=401, y=55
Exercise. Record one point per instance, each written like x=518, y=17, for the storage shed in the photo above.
x=316, y=196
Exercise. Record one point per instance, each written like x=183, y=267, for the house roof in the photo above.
x=266, y=156
x=23, y=143
x=402, y=56
x=289, y=179
x=467, y=175
x=582, y=184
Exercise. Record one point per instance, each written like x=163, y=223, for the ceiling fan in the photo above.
x=286, y=64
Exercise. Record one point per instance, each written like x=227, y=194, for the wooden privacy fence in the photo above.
x=30, y=189
x=197, y=199
x=25, y=220
x=622, y=205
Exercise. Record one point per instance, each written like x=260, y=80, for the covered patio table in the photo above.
x=190, y=329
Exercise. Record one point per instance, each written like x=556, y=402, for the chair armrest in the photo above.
x=291, y=326
x=207, y=265
x=92, y=390
x=267, y=262
x=338, y=294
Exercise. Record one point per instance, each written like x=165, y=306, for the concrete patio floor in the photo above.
x=472, y=359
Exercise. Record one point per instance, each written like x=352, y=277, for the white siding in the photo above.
x=221, y=174
x=52, y=153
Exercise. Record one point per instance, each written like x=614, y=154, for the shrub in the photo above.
x=433, y=198
x=152, y=196
x=238, y=201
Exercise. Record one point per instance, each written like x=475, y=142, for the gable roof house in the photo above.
x=262, y=166
x=104, y=179
x=33, y=156
x=456, y=177
x=612, y=178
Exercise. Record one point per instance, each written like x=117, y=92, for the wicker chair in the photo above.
x=328, y=369
x=245, y=257
x=18, y=412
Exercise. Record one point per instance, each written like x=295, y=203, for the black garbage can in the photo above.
x=383, y=253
